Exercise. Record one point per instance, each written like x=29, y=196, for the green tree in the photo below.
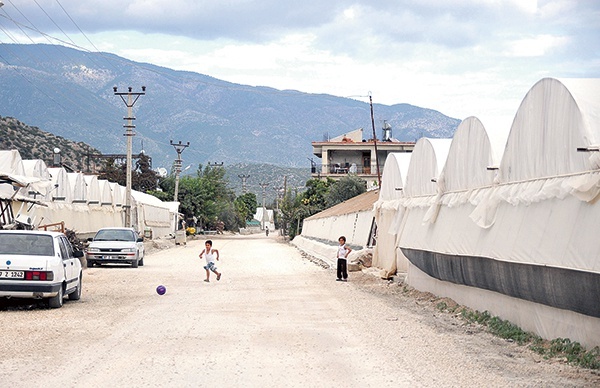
x=316, y=191
x=290, y=210
x=113, y=172
x=208, y=197
x=144, y=178
x=205, y=196
x=246, y=206
x=347, y=187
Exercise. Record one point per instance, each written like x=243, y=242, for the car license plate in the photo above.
x=12, y=274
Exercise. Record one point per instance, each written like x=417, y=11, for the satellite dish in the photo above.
x=162, y=172
x=56, y=150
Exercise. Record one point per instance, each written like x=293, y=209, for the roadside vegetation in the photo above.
x=318, y=196
x=562, y=349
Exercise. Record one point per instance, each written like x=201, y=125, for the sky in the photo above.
x=460, y=57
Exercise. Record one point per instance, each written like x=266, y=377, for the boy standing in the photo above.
x=342, y=262
x=210, y=255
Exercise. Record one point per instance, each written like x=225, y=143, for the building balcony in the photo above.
x=337, y=170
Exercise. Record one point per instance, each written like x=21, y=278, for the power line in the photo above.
x=86, y=37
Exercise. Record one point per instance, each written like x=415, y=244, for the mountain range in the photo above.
x=69, y=93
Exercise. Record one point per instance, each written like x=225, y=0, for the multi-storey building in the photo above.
x=351, y=154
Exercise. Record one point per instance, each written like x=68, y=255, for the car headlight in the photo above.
x=128, y=250
x=93, y=249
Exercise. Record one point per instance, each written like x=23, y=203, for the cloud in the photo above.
x=462, y=57
x=536, y=46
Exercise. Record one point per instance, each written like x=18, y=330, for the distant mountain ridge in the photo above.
x=33, y=143
x=70, y=93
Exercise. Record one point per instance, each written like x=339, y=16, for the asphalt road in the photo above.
x=275, y=319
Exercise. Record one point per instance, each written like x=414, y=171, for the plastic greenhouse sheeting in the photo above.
x=385, y=253
x=530, y=235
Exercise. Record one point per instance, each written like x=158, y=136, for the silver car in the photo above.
x=39, y=264
x=116, y=245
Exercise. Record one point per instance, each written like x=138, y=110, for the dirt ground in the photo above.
x=274, y=319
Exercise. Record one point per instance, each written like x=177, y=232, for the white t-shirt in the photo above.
x=209, y=256
x=342, y=252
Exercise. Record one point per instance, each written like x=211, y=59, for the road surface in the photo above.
x=275, y=319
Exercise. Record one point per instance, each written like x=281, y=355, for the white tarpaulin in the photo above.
x=106, y=193
x=426, y=164
x=93, y=189
x=531, y=235
x=150, y=212
x=118, y=194
x=265, y=218
x=387, y=208
x=82, y=202
x=61, y=190
x=78, y=187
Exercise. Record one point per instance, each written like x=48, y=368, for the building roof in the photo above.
x=362, y=202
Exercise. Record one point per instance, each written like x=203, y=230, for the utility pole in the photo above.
x=284, y=194
x=375, y=142
x=179, y=147
x=264, y=189
x=244, y=178
x=132, y=98
x=277, y=196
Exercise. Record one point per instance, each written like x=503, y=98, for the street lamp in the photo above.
x=56, y=159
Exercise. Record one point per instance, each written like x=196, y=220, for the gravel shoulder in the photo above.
x=274, y=319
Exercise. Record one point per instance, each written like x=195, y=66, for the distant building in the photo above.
x=351, y=154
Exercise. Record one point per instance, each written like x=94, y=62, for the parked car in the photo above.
x=39, y=264
x=116, y=245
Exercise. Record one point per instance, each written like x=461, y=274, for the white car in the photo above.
x=39, y=264
x=116, y=245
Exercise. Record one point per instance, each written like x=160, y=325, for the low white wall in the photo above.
x=321, y=251
x=355, y=227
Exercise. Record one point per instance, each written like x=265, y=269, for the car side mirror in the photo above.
x=140, y=239
x=78, y=254
x=90, y=239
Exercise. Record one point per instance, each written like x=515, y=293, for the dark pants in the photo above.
x=342, y=269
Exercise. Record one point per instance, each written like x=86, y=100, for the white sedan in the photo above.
x=116, y=245
x=39, y=264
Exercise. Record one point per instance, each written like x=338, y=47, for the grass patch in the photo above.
x=563, y=348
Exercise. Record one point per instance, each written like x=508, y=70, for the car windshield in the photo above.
x=115, y=235
x=26, y=244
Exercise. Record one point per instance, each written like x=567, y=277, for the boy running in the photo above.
x=210, y=255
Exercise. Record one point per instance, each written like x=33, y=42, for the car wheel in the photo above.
x=90, y=264
x=76, y=295
x=134, y=263
x=141, y=262
x=56, y=301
